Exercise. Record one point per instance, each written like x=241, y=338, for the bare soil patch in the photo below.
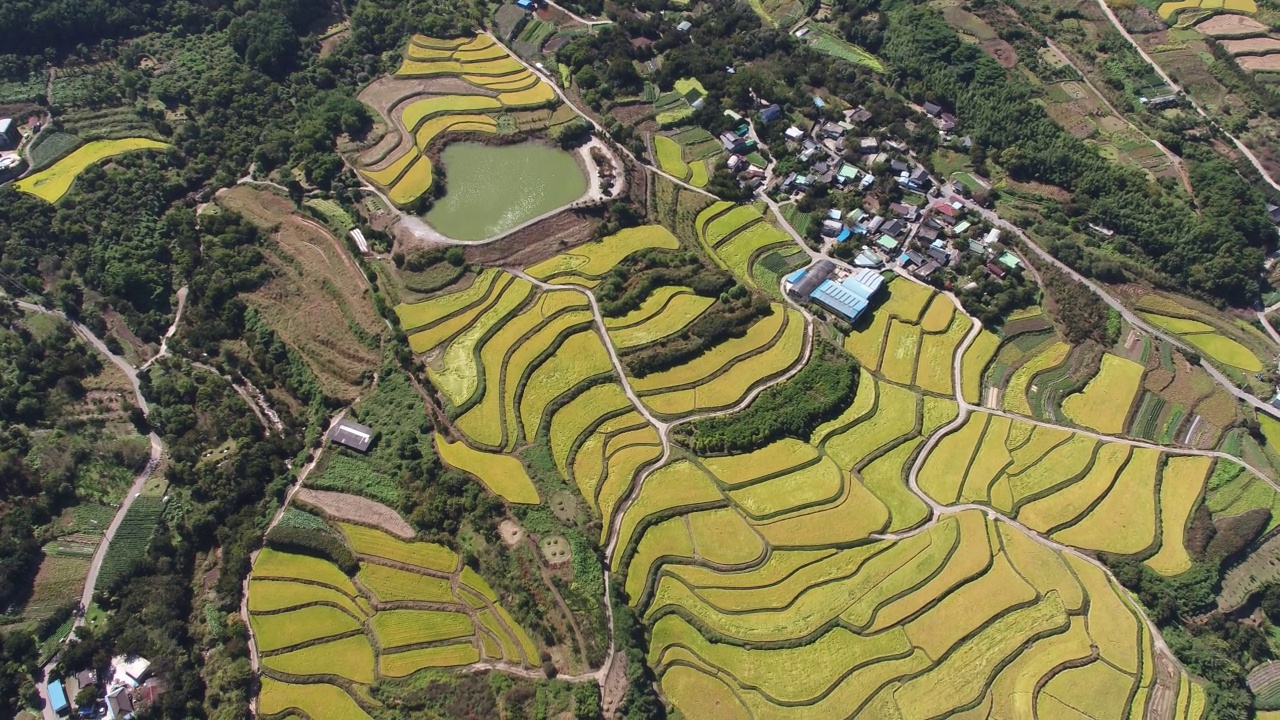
x=382, y=151
x=387, y=91
x=1230, y=26
x=356, y=509
x=317, y=300
x=537, y=242
x=1002, y=51
x=329, y=44
x=633, y=114
x=1252, y=46
x=511, y=532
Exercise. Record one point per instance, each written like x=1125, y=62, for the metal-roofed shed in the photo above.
x=352, y=434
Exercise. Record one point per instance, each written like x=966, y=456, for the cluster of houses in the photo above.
x=823, y=150
x=128, y=688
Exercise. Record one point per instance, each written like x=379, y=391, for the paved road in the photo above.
x=157, y=452
x=1125, y=312
x=1115, y=21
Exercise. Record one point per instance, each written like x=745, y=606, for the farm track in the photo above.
x=1131, y=317
x=140, y=481
x=1253, y=159
x=1174, y=159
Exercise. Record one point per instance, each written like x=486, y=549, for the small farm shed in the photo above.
x=352, y=434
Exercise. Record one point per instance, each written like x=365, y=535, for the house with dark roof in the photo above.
x=352, y=434
x=927, y=234
x=802, y=283
x=732, y=143
x=859, y=115
x=940, y=255
x=770, y=113
x=995, y=271
x=947, y=122
x=926, y=271
x=894, y=227
x=931, y=109
x=904, y=211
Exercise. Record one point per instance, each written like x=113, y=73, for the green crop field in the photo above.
x=390, y=584
x=369, y=541
x=129, y=545
x=1104, y=403
x=282, y=630
x=320, y=701
x=397, y=628
x=53, y=182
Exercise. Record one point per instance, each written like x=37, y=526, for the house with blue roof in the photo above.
x=58, y=698
x=848, y=296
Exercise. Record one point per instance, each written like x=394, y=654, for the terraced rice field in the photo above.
x=593, y=260
x=682, y=161
x=1208, y=340
x=986, y=630
x=406, y=173
x=905, y=303
x=737, y=236
x=53, y=182
x=311, y=622
x=1105, y=402
x=503, y=475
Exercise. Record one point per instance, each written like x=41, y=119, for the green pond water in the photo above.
x=491, y=189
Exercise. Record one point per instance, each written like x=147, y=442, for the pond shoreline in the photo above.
x=489, y=189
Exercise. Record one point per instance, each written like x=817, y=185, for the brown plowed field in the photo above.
x=1252, y=46
x=1260, y=63
x=317, y=300
x=1230, y=26
x=356, y=509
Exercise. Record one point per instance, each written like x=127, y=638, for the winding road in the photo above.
x=139, y=482
x=1253, y=159
x=1131, y=317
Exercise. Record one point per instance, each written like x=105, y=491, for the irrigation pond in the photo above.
x=492, y=188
